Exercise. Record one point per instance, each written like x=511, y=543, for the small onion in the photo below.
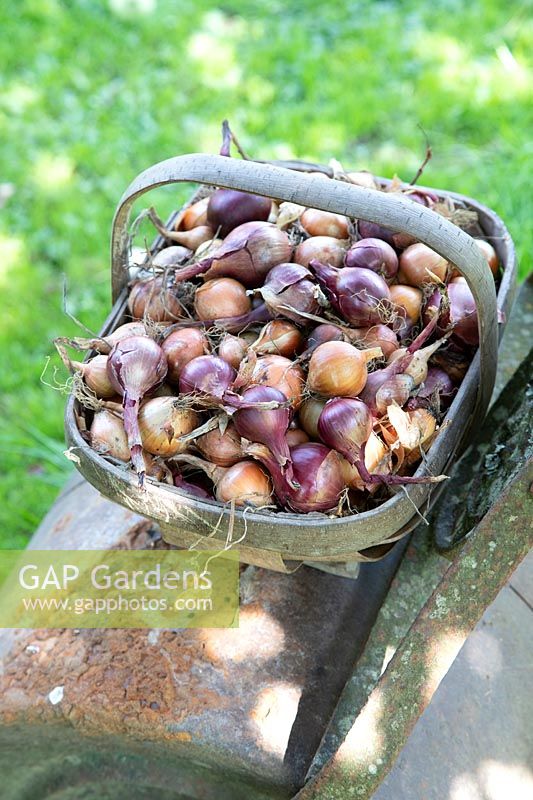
x=409, y=300
x=232, y=349
x=94, y=373
x=288, y=289
x=279, y=337
x=490, y=254
x=374, y=254
x=459, y=312
x=228, y=208
x=420, y=265
x=377, y=460
x=180, y=347
x=207, y=248
x=222, y=297
x=325, y=223
x=194, y=238
x=171, y=256
x=152, y=299
x=309, y=413
x=223, y=449
x=208, y=376
x=328, y=249
x=376, y=336
x=162, y=422
x=282, y=374
x=296, y=436
x=437, y=389
x=108, y=436
x=244, y=483
x=337, y=369
x=345, y=425
x=359, y=295
x=193, y=216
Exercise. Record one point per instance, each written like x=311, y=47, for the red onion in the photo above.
x=325, y=248
x=247, y=254
x=374, y=254
x=359, y=295
x=317, y=470
x=458, y=311
x=207, y=376
x=290, y=288
x=371, y=230
x=267, y=427
x=187, y=486
x=180, y=347
x=345, y=424
x=438, y=387
x=135, y=366
x=228, y=208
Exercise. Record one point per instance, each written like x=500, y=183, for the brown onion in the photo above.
x=195, y=237
x=180, y=347
x=408, y=298
x=108, y=436
x=244, y=483
x=154, y=300
x=328, y=249
x=279, y=337
x=282, y=374
x=223, y=449
x=222, y=297
x=94, y=373
x=193, y=216
x=162, y=422
x=420, y=265
x=325, y=223
x=376, y=336
x=296, y=436
x=209, y=247
x=171, y=256
x=337, y=369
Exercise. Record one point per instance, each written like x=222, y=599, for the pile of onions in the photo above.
x=295, y=357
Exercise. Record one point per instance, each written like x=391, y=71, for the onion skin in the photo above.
x=229, y=208
x=458, y=312
x=359, y=295
x=247, y=254
x=96, y=377
x=223, y=449
x=374, y=254
x=180, y=347
x=208, y=376
x=325, y=223
x=377, y=459
x=153, y=300
x=279, y=337
x=420, y=265
x=108, y=436
x=337, y=369
x=328, y=249
x=290, y=288
x=222, y=297
x=162, y=422
x=282, y=374
x=437, y=389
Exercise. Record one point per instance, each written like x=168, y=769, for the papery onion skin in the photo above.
x=437, y=388
x=223, y=449
x=96, y=377
x=374, y=254
x=327, y=249
x=337, y=369
x=233, y=349
x=221, y=297
x=290, y=288
x=247, y=254
x=108, y=436
x=207, y=376
x=282, y=374
x=361, y=296
x=228, y=208
x=420, y=265
x=180, y=347
x=279, y=337
x=458, y=312
x=162, y=422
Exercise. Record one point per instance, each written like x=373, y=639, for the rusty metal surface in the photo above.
x=253, y=701
x=489, y=557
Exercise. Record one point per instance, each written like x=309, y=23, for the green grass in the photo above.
x=93, y=92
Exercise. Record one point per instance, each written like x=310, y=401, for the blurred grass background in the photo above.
x=93, y=91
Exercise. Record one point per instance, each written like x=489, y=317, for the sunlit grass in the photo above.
x=92, y=93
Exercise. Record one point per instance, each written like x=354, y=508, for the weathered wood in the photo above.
x=272, y=539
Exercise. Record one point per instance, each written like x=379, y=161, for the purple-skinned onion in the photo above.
x=374, y=254
x=361, y=296
x=229, y=208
